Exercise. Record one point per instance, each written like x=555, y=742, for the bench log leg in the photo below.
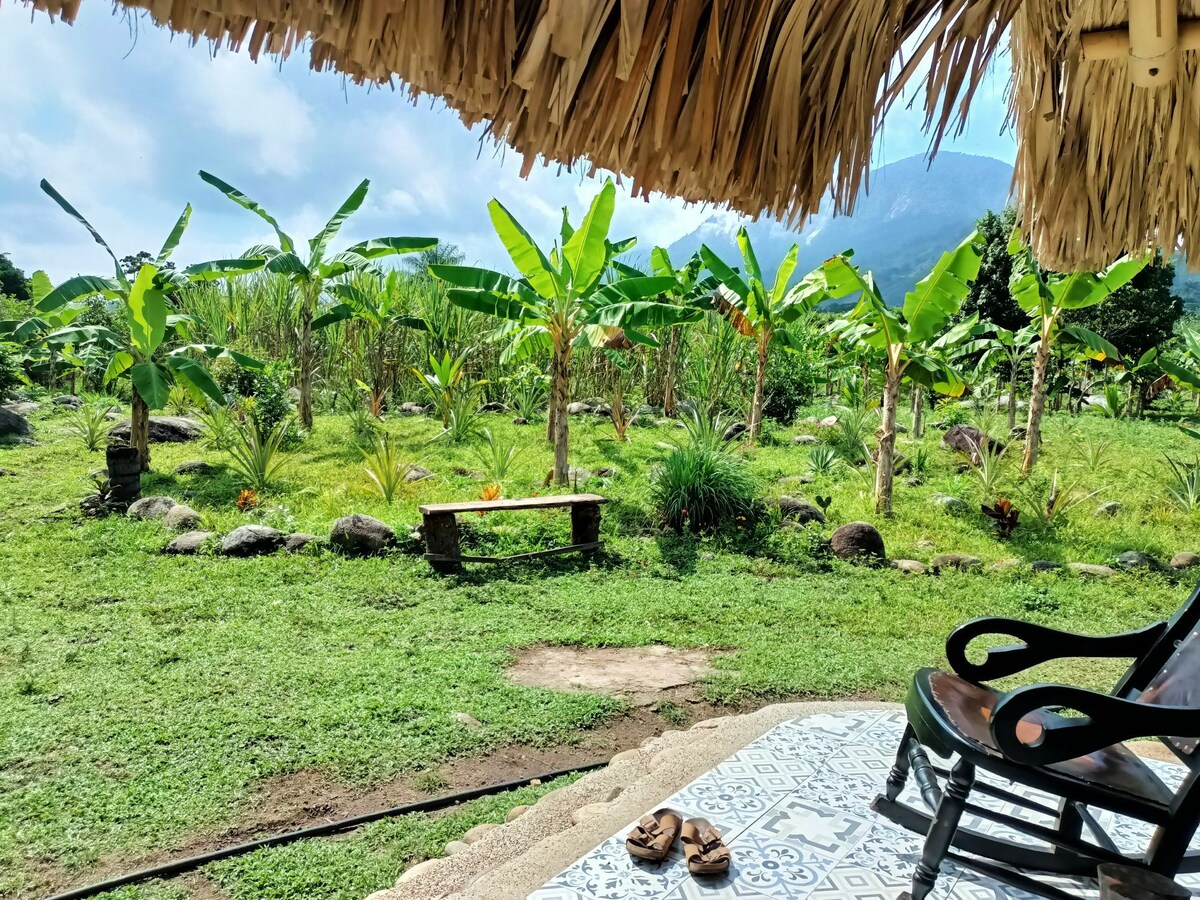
x=585, y=524
x=441, y=539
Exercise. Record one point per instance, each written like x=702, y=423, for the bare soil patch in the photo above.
x=640, y=674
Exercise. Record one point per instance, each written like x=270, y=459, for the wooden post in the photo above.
x=441, y=539
x=585, y=524
x=1118, y=882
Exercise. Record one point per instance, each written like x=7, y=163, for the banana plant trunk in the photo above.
x=884, y=474
x=1037, y=404
x=139, y=430
x=1012, y=399
x=918, y=411
x=560, y=374
x=53, y=369
x=669, y=409
x=307, y=358
x=760, y=380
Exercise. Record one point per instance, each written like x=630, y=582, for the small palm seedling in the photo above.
x=90, y=425
x=257, y=454
x=218, y=422
x=1114, y=402
x=1184, y=490
x=497, y=457
x=854, y=426
x=1051, y=501
x=365, y=427
x=529, y=397
x=384, y=467
x=1092, y=456
x=704, y=431
x=444, y=383
x=919, y=462
x=701, y=489
x=462, y=424
x=179, y=401
x=987, y=465
x=823, y=460
x=1004, y=514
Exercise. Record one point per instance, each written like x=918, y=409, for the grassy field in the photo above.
x=147, y=698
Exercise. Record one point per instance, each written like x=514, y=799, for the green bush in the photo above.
x=792, y=380
x=10, y=370
x=704, y=489
x=266, y=388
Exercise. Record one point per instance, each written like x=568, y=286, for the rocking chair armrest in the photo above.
x=1039, y=644
x=1105, y=720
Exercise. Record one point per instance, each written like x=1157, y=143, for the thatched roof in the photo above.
x=768, y=105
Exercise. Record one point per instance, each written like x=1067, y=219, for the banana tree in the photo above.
x=569, y=298
x=30, y=333
x=141, y=352
x=911, y=338
x=763, y=313
x=312, y=277
x=688, y=291
x=375, y=305
x=997, y=345
x=1184, y=369
x=1044, y=296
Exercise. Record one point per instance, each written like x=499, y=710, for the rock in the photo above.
x=418, y=473
x=579, y=474
x=828, y=422
x=578, y=408
x=901, y=428
x=515, y=813
x=947, y=504
x=602, y=409
x=151, y=508
x=1044, y=565
x=456, y=847
x=294, y=543
x=13, y=425
x=479, y=831
x=22, y=407
x=960, y=561
x=196, y=467
x=417, y=871
x=1184, y=560
x=806, y=439
x=1135, y=559
x=625, y=755
x=1110, y=509
x=188, y=544
x=359, y=535
x=252, y=540
x=69, y=401
x=734, y=431
x=800, y=510
x=163, y=430
x=970, y=440
x=466, y=720
x=493, y=407
x=605, y=472
x=910, y=566
x=181, y=518
x=648, y=411
x=914, y=481
x=95, y=507
x=858, y=540
x=1091, y=569
x=520, y=420
x=412, y=409
x=1018, y=432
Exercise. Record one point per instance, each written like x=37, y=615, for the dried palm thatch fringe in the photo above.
x=767, y=105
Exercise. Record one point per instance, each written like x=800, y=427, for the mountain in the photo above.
x=912, y=213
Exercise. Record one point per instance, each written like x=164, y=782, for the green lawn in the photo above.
x=146, y=698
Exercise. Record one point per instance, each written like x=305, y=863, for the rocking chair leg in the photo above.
x=941, y=832
x=899, y=774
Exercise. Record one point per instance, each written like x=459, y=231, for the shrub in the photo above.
x=951, y=413
x=792, y=379
x=219, y=424
x=10, y=370
x=703, y=489
x=267, y=388
x=257, y=453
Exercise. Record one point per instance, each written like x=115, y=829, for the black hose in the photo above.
x=189, y=863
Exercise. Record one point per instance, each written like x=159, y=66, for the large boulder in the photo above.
x=68, y=401
x=151, y=508
x=163, y=430
x=181, y=518
x=858, y=540
x=800, y=511
x=970, y=440
x=359, y=535
x=188, y=544
x=13, y=425
x=252, y=540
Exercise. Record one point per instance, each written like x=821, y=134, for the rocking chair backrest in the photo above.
x=1169, y=674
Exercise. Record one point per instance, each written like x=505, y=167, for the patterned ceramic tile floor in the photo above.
x=794, y=807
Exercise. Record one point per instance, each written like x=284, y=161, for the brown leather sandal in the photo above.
x=654, y=834
x=703, y=848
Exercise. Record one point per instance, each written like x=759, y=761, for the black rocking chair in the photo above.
x=1022, y=735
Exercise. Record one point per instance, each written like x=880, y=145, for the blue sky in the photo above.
x=119, y=116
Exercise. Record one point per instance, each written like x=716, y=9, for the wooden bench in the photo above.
x=441, y=527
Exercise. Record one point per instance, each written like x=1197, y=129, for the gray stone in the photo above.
x=163, y=430
x=734, y=431
x=294, y=543
x=151, y=508
x=187, y=544
x=181, y=518
x=653, y=412
x=1110, y=508
x=520, y=420
x=493, y=407
x=479, y=831
x=1184, y=560
x=910, y=566
x=359, y=535
x=22, y=407
x=252, y=540
x=828, y=422
x=413, y=409
x=601, y=409
x=1044, y=565
x=196, y=467
x=418, y=473
x=456, y=847
x=858, y=540
x=466, y=720
x=948, y=504
x=914, y=481
x=1136, y=559
x=800, y=511
x=970, y=440
x=1092, y=570
x=69, y=401
x=517, y=811
x=960, y=561
x=13, y=425
x=806, y=439
x=578, y=474
x=578, y=408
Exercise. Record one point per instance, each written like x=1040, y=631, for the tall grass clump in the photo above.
x=256, y=453
x=384, y=467
x=701, y=489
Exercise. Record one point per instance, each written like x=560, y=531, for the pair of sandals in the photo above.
x=654, y=835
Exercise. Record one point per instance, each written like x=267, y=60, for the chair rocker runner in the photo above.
x=1024, y=736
